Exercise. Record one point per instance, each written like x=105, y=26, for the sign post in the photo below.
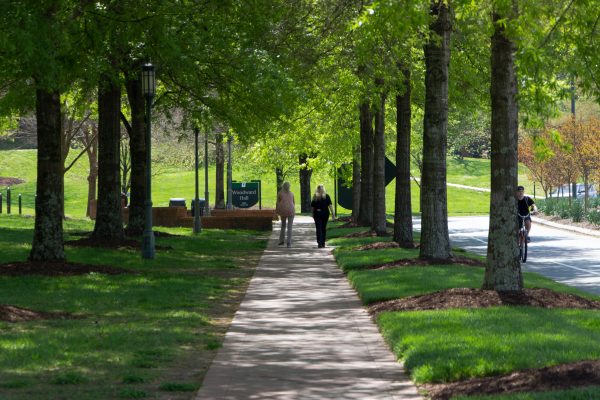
x=344, y=190
x=259, y=192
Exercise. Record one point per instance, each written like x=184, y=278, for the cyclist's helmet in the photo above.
x=520, y=188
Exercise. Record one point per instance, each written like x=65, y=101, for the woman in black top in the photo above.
x=321, y=206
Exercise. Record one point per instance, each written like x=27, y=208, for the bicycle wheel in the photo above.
x=520, y=242
x=523, y=247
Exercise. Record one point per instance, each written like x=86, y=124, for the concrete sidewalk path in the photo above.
x=302, y=333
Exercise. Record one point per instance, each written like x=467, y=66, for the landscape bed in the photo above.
x=450, y=343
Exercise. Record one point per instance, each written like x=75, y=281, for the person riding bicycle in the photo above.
x=525, y=207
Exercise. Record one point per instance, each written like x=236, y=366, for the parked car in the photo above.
x=564, y=191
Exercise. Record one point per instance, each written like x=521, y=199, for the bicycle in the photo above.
x=522, y=238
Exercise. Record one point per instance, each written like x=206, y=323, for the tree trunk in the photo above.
x=355, y=183
x=379, y=222
x=435, y=241
x=48, y=234
x=92, y=153
x=220, y=171
x=586, y=189
x=280, y=177
x=365, y=214
x=305, y=193
x=109, y=219
x=403, y=228
x=503, y=269
x=137, y=150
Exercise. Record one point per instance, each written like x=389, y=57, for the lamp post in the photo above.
x=206, y=202
x=197, y=223
x=229, y=174
x=149, y=90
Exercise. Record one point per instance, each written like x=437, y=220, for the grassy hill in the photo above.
x=170, y=182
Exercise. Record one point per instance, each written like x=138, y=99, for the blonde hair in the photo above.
x=320, y=193
x=285, y=186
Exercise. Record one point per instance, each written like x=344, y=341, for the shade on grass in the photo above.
x=388, y=284
x=395, y=283
x=450, y=345
x=585, y=393
x=456, y=344
x=350, y=260
x=133, y=326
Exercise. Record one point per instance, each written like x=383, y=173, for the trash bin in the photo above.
x=202, y=204
x=177, y=202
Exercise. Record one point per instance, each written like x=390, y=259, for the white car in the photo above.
x=564, y=191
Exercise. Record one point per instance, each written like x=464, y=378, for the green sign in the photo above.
x=244, y=194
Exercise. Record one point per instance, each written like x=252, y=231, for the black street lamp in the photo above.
x=197, y=223
x=229, y=174
x=206, y=202
x=149, y=90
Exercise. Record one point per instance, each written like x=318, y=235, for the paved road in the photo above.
x=567, y=257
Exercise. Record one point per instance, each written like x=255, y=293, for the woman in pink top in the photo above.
x=286, y=208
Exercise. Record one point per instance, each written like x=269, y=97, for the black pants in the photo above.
x=321, y=224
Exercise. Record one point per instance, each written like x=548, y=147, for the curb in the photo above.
x=583, y=231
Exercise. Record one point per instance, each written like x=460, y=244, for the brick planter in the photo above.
x=261, y=220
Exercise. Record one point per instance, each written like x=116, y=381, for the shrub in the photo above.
x=594, y=217
x=576, y=211
x=563, y=210
x=547, y=206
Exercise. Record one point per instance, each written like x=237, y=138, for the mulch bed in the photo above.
x=565, y=376
x=378, y=246
x=475, y=298
x=57, y=269
x=165, y=234
x=4, y=181
x=130, y=244
x=18, y=314
x=349, y=224
x=584, y=373
x=419, y=262
x=360, y=234
x=363, y=234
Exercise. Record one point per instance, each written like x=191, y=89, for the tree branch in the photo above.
x=556, y=24
x=85, y=149
x=126, y=123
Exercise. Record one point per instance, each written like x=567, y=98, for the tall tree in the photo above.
x=379, y=222
x=48, y=234
x=279, y=177
x=89, y=140
x=305, y=175
x=435, y=240
x=109, y=219
x=503, y=269
x=403, y=227
x=37, y=63
x=219, y=171
x=365, y=215
x=137, y=150
x=355, y=183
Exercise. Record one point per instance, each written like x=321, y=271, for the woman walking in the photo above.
x=286, y=208
x=321, y=206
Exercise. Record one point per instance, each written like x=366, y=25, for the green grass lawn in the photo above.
x=170, y=182
x=455, y=344
x=586, y=393
x=137, y=331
